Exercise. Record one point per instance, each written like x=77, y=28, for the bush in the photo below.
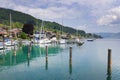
x=23, y=35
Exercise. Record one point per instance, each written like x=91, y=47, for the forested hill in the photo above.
x=19, y=18
x=16, y=16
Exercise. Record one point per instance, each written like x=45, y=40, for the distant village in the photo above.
x=5, y=31
x=15, y=32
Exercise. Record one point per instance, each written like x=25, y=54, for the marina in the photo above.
x=62, y=62
x=59, y=40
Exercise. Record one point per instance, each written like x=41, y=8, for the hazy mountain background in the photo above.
x=110, y=35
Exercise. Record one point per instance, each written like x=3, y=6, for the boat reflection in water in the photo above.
x=23, y=55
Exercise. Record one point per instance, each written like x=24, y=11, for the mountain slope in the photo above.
x=24, y=18
x=16, y=16
x=19, y=18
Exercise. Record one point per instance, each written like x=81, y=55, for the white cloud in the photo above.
x=82, y=27
x=55, y=8
x=115, y=11
x=52, y=12
x=93, y=4
x=106, y=20
x=111, y=18
x=49, y=13
x=7, y=4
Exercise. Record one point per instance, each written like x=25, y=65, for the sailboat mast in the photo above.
x=10, y=28
x=62, y=27
x=42, y=27
x=10, y=24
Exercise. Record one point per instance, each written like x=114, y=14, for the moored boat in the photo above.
x=1, y=46
x=62, y=41
x=79, y=42
x=90, y=39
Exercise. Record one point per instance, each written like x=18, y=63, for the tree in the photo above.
x=17, y=25
x=28, y=28
x=23, y=35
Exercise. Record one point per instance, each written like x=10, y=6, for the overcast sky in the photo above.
x=89, y=15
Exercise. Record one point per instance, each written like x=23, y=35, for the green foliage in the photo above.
x=17, y=25
x=1, y=25
x=24, y=35
x=16, y=16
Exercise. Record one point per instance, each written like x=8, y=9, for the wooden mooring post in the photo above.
x=46, y=51
x=109, y=62
x=70, y=53
x=46, y=67
x=70, y=61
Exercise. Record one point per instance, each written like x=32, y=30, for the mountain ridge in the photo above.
x=24, y=18
x=20, y=18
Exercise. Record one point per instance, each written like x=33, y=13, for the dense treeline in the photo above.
x=19, y=18
x=16, y=16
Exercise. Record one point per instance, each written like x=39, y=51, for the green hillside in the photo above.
x=19, y=18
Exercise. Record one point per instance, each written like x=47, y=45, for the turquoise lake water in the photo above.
x=89, y=62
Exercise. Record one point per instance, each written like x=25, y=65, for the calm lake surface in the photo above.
x=89, y=62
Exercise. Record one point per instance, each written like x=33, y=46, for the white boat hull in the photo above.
x=62, y=41
x=44, y=41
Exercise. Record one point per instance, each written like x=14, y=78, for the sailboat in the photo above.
x=40, y=37
x=9, y=41
x=78, y=41
x=62, y=40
